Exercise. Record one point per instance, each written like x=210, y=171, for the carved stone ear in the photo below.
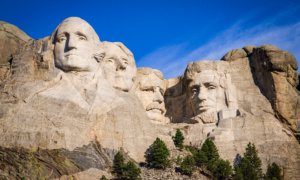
x=223, y=82
x=99, y=56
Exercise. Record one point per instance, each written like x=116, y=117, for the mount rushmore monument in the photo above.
x=86, y=100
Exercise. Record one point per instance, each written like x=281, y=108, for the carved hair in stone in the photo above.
x=118, y=66
x=77, y=47
x=208, y=91
x=151, y=87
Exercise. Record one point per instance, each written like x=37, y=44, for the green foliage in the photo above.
x=103, y=178
x=158, y=155
x=187, y=166
x=250, y=166
x=211, y=166
x=210, y=150
x=131, y=171
x=221, y=169
x=208, y=156
x=178, y=160
x=192, y=149
x=118, y=166
x=178, y=139
x=125, y=171
x=248, y=170
x=252, y=155
x=238, y=175
x=200, y=158
x=273, y=172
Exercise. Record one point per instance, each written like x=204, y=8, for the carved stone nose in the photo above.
x=158, y=96
x=121, y=66
x=72, y=42
x=202, y=95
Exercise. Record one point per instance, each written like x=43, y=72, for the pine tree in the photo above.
x=158, y=156
x=178, y=139
x=178, y=160
x=200, y=158
x=252, y=155
x=238, y=175
x=131, y=171
x=187, y=166
x=103, y=178
x=248, y=170
x=273, y=172
x=250, y=166
x=210, y=150
x=211, y=166
x=118, y=166
x=222, y=170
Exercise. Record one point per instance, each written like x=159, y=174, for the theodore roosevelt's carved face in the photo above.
x=75, y=46
x=118, y=66
x=151, y=88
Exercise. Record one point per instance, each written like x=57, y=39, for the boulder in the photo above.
x=234, y=54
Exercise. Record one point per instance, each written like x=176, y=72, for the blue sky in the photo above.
x=168, y=34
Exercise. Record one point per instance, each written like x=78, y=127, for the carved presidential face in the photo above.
x=151, y=91
x=117, y=67
x=74, y=46
x=202, y=92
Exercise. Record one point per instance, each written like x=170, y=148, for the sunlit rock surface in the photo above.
x=73, y=95
x=11, y=39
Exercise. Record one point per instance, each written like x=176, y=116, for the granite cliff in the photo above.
x=69, y=102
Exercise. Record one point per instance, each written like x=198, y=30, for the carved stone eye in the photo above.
x=60, y=39
x=125, y=61
x=194, y=90
x=82, y=38
x=111, y=60
x=148, y=90
x=211, y=87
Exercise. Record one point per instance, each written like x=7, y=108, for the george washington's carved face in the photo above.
x=74, y=46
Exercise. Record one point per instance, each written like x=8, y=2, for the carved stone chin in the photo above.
x=208, y=117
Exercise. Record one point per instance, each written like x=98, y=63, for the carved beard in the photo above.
x=208, y=117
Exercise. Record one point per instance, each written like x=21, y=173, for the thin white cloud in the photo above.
x=172, y=60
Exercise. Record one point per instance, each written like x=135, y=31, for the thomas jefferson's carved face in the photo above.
x=202, y=92
x=117, y=68
x=74, y=47
x=151, y=93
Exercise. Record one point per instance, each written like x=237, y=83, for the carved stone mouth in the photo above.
x=156, y=110
x=204, y=107
x=70, y=55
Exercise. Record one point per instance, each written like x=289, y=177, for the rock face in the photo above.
x=276, y=71
x=73, y=95
x=54, y=100
x=11, y=39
